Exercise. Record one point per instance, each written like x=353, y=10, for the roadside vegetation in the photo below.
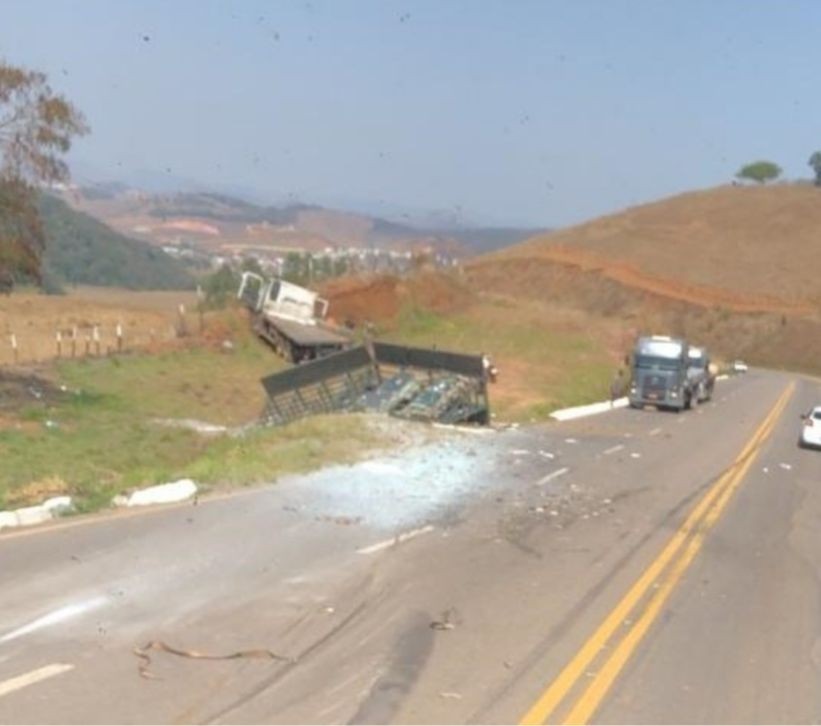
x=95, y=428
x=80, y=250
x=100, y=426
x=544, y=362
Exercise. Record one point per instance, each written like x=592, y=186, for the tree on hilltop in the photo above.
x=37, y=127
x=759, y=171
x=815, y=163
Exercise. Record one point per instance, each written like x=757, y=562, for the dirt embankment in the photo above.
x=773, y=338
x=703, y=296
x=380, y=299
x=745, y=249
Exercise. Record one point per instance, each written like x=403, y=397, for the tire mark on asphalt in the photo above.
x=289, y=667
x=410, y=654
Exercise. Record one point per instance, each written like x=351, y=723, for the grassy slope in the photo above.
x=82, y=250
x=549, y=354
x=547, y=359
x=106, y=440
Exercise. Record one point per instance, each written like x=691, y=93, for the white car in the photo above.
x=739, y=366
x=811, y=430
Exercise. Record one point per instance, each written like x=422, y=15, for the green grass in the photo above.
x=550, y=367
x=101, y=438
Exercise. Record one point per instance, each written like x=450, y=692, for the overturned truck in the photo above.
x=413, y=383
x=290, y=318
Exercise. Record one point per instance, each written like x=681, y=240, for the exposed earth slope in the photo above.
x=742, y=248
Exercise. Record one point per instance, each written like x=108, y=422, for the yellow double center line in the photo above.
x=652, y=589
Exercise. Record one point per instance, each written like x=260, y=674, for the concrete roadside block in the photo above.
x=177, y=491
x=8, y=519
x=28, y=516
x=32, y=515
x=568, y=414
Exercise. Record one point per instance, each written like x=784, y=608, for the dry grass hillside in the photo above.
x=735, y=268
x=743, y=248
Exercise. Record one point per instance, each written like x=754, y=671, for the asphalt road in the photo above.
x=635, y=566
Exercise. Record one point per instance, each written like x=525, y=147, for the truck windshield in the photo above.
x=273, y=293
x=654, y=361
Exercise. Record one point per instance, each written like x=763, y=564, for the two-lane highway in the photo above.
x=631, y=567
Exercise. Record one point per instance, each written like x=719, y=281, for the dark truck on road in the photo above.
x=701, y=373
x=659, y=374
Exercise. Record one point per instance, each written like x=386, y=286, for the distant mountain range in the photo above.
x=215, y=222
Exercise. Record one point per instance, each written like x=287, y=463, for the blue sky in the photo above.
x=536, y=113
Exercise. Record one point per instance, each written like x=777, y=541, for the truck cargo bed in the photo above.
x=308, y=335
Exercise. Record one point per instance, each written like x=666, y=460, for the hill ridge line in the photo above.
x=632, y=277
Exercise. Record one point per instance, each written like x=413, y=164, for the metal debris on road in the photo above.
x=552, y=475
x=159, y=645
x=447, y=622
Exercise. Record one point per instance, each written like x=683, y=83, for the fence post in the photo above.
x=201, y=307
x=59, y=344
x=74, y=342
x=95, y=334
x=119, y=337
x=14, y=350
x=182, y=328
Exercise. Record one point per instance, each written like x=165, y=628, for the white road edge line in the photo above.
x=404, y=537
x=613, y=449
x=55, y=617
x=553, y=475
x=32, y=677
x=655, y=432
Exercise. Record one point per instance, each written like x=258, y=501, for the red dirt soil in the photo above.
x=380, y=299
x=691, y=293
x=744, y=249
